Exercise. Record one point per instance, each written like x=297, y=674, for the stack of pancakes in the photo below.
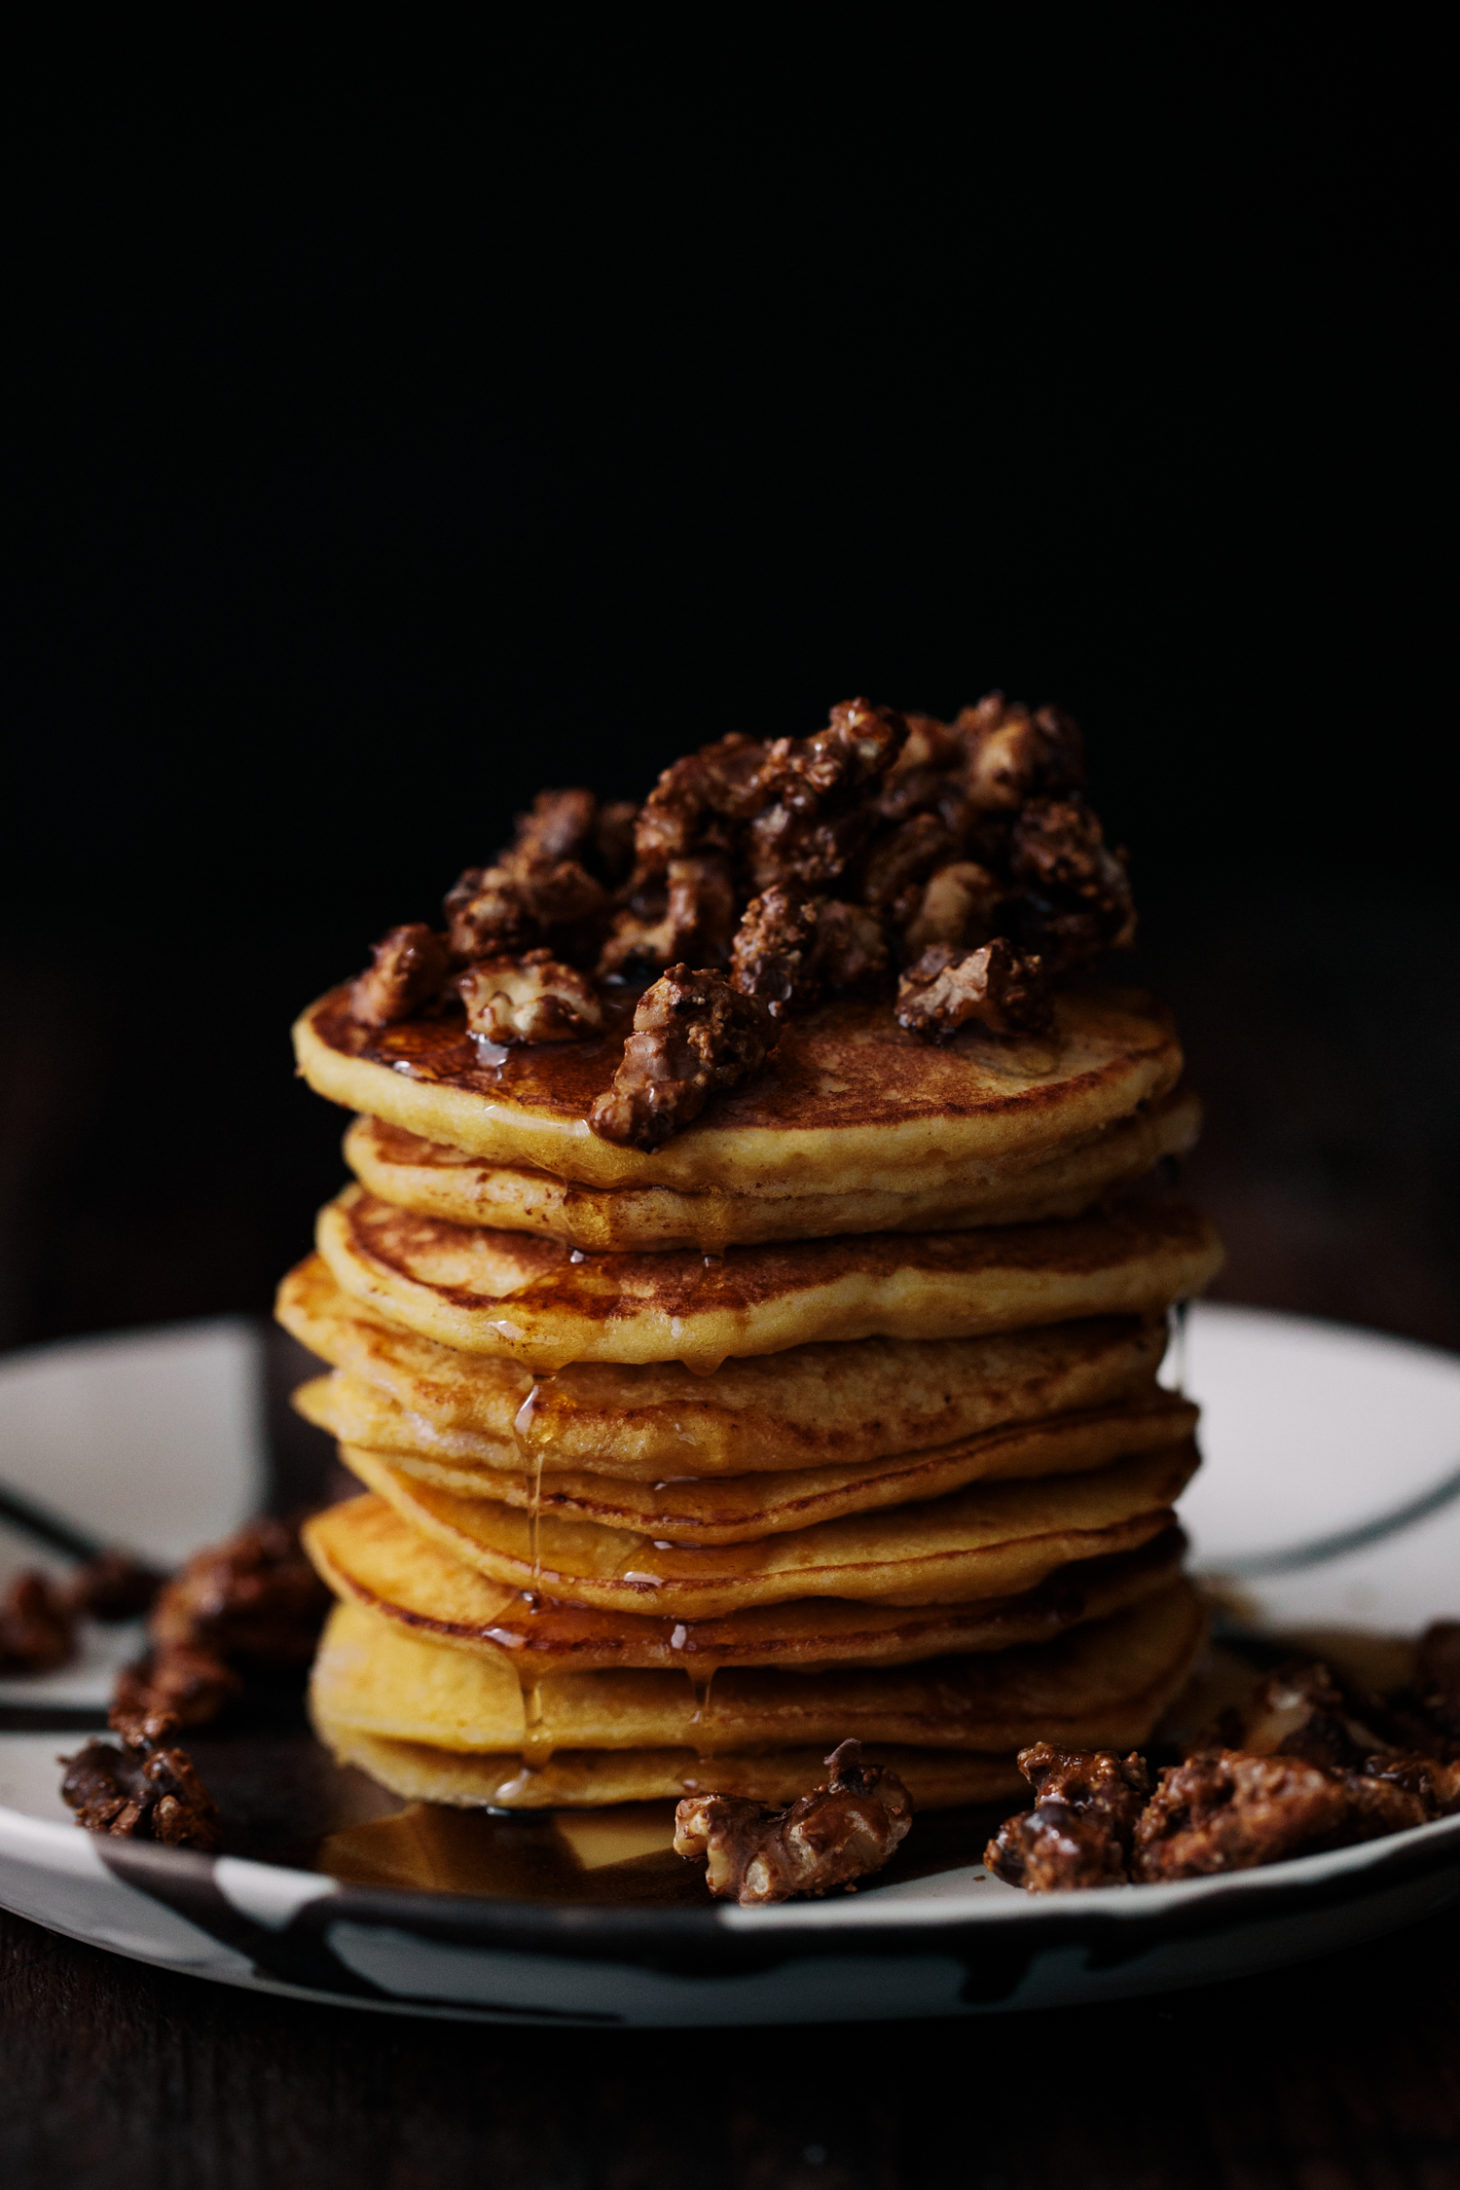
x=837, y=1415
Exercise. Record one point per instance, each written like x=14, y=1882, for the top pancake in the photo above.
x=848, y=1102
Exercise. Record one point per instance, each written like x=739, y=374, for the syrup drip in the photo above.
x=700, y=1686
x=537, y=1740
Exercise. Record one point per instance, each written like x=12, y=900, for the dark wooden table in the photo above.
x=1344, y=2075
x=1332, y=1163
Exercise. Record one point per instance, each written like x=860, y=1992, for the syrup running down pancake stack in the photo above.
x=745, y=1320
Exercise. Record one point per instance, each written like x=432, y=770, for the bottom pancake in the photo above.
x=1102, y=1685
x=369, y=1556
x=594, y=1779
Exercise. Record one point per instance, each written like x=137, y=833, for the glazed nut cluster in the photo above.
x=956, y=868
x=1314, y=1762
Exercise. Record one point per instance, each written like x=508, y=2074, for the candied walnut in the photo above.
x=818, y=809
x=1000, y=986
x=1013, y=753
x=959, y=907
x=838, y=1833
x=859, y=743
x=901, y=861
x=534, y=998
x=1078, y=899
x=686, y=913
x=409, y=970
x=926, y=776
x=36, y=1630
x=254, y=1596
x=191, y=1684
x=144, y=1790
x=697, y=801
x=1080, y=1828
x=560, y=825
x=1380, y=1803
x=572, y=825
x=791, y=847
x=791, y=951
x=693, y=1035
x=849, y=953
x=1435, y=1781
x=1231, y=1812
x=1305, y=1710
x=113, y=1586
x=520, y=903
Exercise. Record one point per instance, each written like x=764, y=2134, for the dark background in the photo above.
x=382, y=453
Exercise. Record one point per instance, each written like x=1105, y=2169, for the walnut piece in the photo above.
x=408, y=971
x=144, y=1790
x=534, y=998
x=1012, y=754
x=1231, y=1812
x=522, y=902
x=838, y=1833
x=253, y=1602
x=1077, y=891
x=860, y=742
x=560, y=825
x=693, y=1035
x=1002, y=987
x=1306, y=1710
x=686, y=912
x=1320, y=1765
x=254, y=1597
x=113, y=1586
x=818, y=798
x=191, y=1684
x=1079, y=1831
x=36, y=1628
x=572, y=825
x=959, y=907
x=900, y=862
x=791, y=951
x=697, y=800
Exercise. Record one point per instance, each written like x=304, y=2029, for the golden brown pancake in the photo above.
x=742, y=1509
x=546, y=1305
x=849, y=1102
x=937, y=1779
x=809, y=1407
x=437, y=1181
x=1099, y=1686
x=367, y=1554
x=992, y=1539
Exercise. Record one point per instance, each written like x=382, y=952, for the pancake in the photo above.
x=848, y=1103
x=367, y=1554
x=594, y=1779
x=742, y=1509
x=436, y=1181
x=1102, y=1685
x=495, y=1292
x=803, y=1408
x=990, y=1540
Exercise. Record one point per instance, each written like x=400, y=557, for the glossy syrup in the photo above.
x=537, y=1736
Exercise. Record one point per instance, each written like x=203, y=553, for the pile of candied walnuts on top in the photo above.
x=957, y=866
x=1313, y=1762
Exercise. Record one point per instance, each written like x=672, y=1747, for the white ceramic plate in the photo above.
x=156, y=1440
